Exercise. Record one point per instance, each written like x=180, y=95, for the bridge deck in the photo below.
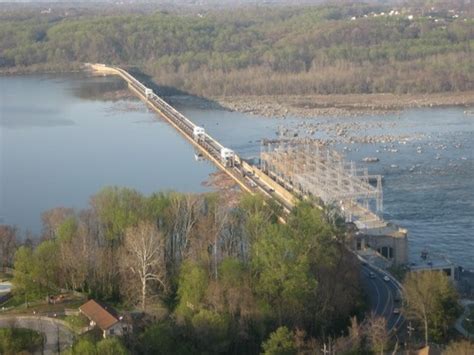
x=249, y=178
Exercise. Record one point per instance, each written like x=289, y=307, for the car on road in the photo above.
x=372, y=275
x=396, y=311
x=386, y=278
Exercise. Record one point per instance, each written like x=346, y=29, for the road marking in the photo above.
x=395, y=324
x=389, y=298
x=400, y=320
x=376, y=288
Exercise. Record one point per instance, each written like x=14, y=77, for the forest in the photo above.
x=209, y=274
x=219, y=278
x=254, y=51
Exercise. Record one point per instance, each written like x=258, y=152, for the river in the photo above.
x=61, y=142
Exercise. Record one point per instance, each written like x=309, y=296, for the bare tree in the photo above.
x=52, y=219
x=462, y=347
x=219, y=217
x=355, y=334
x=184, y=213
x=377, y=334
x=352, y=343
x=75, y=258
x=143, y=256
x=7, y=245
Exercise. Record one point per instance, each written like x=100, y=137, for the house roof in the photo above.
x=98, y=314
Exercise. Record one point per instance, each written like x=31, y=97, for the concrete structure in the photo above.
x=227, y=156
x=428, y=262
x=308, y=168
x=148, y=92
x=291, y=169
x=389, y=241
x=207, y=146
x=311, y=170
x=199, y=133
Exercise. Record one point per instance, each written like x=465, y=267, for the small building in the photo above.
x=227, y=156
x=148, y=92
x=104, y=318
x=387, y=239
x=199, y=133
x=429, y=263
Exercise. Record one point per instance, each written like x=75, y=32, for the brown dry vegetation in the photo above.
x=290, y=51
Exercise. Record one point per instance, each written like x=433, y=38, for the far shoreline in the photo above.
x=302, y=106
x=307, y=106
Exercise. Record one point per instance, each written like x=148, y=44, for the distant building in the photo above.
x=429, y=263
x=388, y=240
x=104, y=318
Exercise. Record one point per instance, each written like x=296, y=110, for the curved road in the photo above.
x=58, y=335
x=382, y=296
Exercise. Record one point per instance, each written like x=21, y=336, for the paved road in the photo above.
x=458, y=325
x=5, y=287
x=382, y=296
x=51, y=328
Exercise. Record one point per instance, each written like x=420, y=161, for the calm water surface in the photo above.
x=64, y=145
x=59, y=147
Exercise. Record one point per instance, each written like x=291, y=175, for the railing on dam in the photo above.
x=374, y=231
x=249, y=177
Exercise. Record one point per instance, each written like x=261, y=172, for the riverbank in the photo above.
x=42, y=68
x=303, y=106
x=341, y=105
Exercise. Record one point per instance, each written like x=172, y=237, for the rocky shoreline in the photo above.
x=282, y=106
x=341, y=105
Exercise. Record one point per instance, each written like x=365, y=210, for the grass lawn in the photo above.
x=468, y=322
x=40, y=306
x=77, y=322
x=14, y=302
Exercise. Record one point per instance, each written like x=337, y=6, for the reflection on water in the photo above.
x=88, y=144
x=29, y=118
x=96, y=88
x=428, y=172
x=428, y=177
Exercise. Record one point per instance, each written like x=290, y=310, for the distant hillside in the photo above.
x=256, y=51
